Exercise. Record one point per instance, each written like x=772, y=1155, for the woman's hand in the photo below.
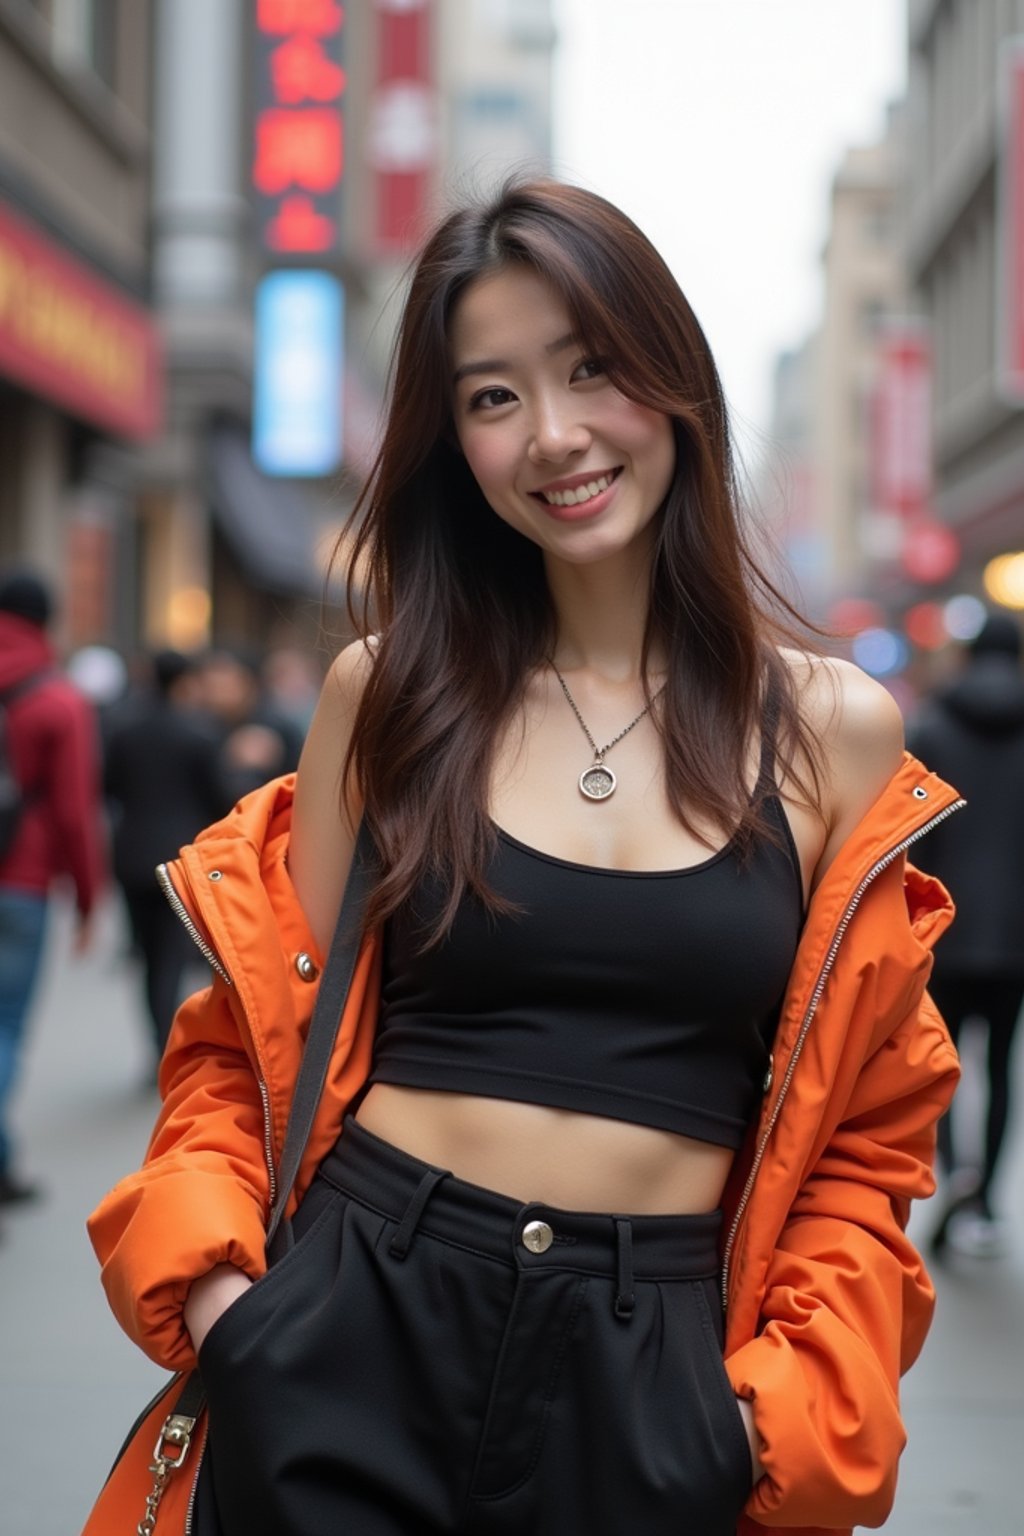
x=747, y=1415
x=210, y=1296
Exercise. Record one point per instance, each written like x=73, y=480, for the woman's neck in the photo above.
x=601, y=618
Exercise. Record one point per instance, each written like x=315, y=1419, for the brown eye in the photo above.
x=490, y=399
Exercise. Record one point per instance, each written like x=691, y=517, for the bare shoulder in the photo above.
x=860, y=728
x=349, y=671
x=325, y=815
x=844, y=703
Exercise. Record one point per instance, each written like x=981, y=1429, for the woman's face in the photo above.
x=559, y=453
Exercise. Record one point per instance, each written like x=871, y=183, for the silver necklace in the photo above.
x=598, y=781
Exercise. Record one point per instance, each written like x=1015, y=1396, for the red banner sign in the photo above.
x=299, y=151
x=69, y=336
x=403, y=132
x=901, y=427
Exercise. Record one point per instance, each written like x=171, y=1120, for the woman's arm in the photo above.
x=847, y=1301
x=201, y=1198
x=319, y=855
x=862, y=734
x=322, y=834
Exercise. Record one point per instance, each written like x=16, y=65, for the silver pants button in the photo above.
x=537, y=1236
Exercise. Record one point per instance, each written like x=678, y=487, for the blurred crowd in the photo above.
x=108, y=766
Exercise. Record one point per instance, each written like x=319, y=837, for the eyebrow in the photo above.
x=499, y=365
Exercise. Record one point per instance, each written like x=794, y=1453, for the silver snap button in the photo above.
x=920, y=793
x=537, y=1236
x=215, y=874
x=306, y=966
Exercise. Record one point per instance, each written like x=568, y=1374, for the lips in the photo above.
x=577, y=490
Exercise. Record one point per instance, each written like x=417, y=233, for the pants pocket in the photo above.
x=728, y=1415
x=312, y=1215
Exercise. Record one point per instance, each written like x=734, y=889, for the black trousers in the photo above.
x=997, y=1000
x=165, y=949
x=433, y=1357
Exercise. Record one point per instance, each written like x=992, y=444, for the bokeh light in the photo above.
x=1004, y=580
x=925, y=626
x=964, y=616
x=882, y=652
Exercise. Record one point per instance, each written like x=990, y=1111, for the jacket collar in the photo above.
x=913, y=801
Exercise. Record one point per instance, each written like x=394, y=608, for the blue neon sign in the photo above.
x=299, y=369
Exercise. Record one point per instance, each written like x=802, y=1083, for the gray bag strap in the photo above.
x=323, y=1030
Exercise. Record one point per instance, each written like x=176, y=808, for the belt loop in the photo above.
x=402, y=1239
x=625, y=1300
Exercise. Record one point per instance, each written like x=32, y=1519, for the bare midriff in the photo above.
x=559, y=1157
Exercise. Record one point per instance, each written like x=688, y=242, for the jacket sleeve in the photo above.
x=202, y=1195
x=847, y=1301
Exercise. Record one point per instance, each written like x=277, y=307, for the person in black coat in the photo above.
x=161, y=777
x=971, y=731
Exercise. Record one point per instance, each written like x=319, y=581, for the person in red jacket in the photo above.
x=53, y=750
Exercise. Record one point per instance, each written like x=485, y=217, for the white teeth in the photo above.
x=573, y=498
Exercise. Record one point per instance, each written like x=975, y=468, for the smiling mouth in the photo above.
x=575, y=496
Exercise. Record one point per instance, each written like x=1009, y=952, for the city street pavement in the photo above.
x=70, y=1383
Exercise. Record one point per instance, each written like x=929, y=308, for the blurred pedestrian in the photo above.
x=52, y=746
x=162, y=780
x=972, y=730
x=292, y=680
x=258, y=741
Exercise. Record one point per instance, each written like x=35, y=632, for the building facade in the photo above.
x=957, y=146
x=820, y=484
x=80, y=356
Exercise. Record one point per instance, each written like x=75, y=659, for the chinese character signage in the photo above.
x=297, y=405
x=299, y=148
x=402, y=144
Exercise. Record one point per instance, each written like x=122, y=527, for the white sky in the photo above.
x=717, y=125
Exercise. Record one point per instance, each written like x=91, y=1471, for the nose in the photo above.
x=558, y=430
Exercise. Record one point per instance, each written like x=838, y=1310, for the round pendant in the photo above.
x=597, y=782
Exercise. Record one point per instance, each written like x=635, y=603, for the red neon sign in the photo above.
x=322, y=18
x=299, y=155
x=300, y=149
x=302, y=71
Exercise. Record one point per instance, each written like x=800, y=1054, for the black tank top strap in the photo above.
x=769, y=731
x=767, y=785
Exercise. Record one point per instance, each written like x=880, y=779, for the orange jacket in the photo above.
x=828, y=1302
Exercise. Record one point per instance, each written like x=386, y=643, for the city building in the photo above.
x=963, y=259
x=821, y=482
x=80, y=355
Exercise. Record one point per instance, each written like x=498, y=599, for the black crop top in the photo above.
x=648, y=997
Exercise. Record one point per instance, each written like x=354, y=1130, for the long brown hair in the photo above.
x=460, y=602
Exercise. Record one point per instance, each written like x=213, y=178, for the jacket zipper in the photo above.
x=191, y=1509
x=210, y=955
x=268, y=1144
x=812, y=1008
x=213, y=959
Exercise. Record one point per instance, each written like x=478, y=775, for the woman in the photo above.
x=633, y=847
